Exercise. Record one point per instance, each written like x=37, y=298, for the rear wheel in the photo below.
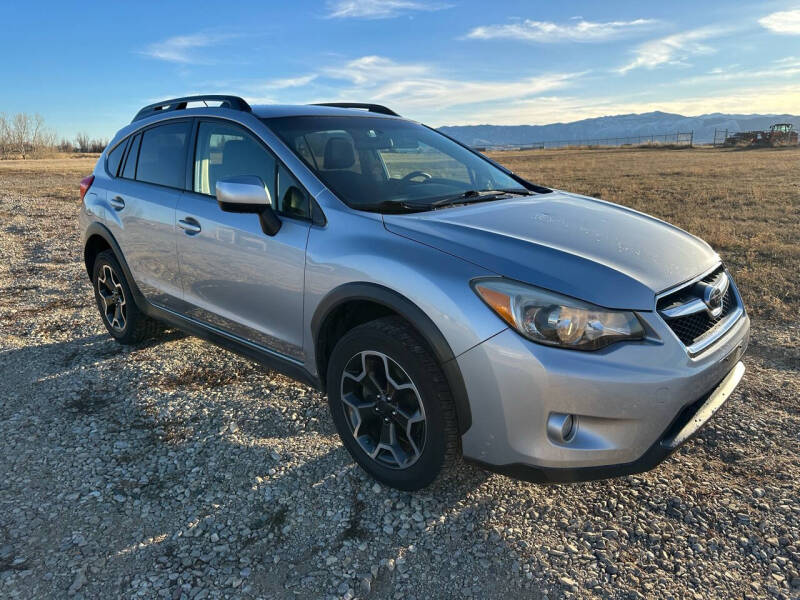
x=391, y=404
x=122, y=318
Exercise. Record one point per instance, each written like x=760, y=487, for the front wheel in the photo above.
x=391, y=404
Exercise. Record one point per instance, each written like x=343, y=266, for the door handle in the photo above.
x=189, y=225
x=117, y=202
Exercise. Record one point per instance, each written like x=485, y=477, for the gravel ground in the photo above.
x=178, y=470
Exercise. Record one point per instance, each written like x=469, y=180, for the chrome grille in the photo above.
x=691, y=319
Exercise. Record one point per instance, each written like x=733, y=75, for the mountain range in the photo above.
x=644, y=124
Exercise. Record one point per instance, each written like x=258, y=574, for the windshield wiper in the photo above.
x=394, y=206
x=468, y=197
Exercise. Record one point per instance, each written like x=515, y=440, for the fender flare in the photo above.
x=101, y=230
x=418, y=319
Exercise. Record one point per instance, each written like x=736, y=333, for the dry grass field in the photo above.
x=177, y=470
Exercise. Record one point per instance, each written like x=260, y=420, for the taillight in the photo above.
x=86, y=183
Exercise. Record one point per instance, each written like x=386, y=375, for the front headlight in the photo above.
x=550, y=318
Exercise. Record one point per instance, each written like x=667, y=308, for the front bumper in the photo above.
x=633, y=404
x=685, y=425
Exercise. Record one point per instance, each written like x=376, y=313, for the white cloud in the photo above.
x=421, y=87
x=788, y=67
x=378, y=9
x=786, y=22
x=435, y=93
x=183, y=48
x=290, y=82
x=375, y=68
x=673, y=49
x=273, y=91
x=546, y=31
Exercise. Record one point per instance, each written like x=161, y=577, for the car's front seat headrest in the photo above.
x=339, y=154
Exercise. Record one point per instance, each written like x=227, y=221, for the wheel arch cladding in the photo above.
x=95, y=244
x=352, y=304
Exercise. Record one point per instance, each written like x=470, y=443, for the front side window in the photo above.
x=374, y=163
x=162, y=156
x=292, y=199
x=225, y=150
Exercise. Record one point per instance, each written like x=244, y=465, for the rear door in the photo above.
x=235, y=277
x=150, y=182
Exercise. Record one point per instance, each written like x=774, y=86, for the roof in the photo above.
x=267, y=111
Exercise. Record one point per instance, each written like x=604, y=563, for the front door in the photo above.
x=235, y=277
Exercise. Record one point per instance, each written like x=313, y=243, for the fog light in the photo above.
x=560, y=427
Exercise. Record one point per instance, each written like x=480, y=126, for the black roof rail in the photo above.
x=232, y=102
x=375, y=108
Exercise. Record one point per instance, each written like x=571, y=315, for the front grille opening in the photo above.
x=691, y=328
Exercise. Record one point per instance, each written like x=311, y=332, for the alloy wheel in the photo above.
x=112, y=297
x=383, y=409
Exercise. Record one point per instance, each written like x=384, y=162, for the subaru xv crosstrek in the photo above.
x=445, y=305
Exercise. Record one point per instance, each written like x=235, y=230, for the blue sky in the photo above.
x=90, y=66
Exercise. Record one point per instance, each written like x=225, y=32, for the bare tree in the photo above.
x=97, y=145
x=65, y=146
x=5, y=134
x=24, y=134
x=21, y=126
x=42, y=137
x=82, y=142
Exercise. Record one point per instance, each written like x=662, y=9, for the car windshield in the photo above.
x=386, y=165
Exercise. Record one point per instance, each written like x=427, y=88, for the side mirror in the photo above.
x=248, y=194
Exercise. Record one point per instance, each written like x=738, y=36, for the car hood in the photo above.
x=583, y=247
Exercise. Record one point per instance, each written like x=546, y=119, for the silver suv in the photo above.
x=446, y=305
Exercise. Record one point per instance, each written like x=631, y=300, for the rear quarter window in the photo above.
x=162, y=156
x=114, y=158
x=129, y=170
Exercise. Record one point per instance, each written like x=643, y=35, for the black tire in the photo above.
x=401, y=344
x=133, y=326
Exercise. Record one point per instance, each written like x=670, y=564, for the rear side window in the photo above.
x=114, y=158
x=129, y=170
x=162, y=156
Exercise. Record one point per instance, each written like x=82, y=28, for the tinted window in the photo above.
x=114, y=158
x=423, y=159
x=129, y=172
x=225, y=150
x=374, y=163
x=292, y=199
x=162, y=157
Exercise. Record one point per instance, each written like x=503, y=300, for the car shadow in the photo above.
x=158, y=476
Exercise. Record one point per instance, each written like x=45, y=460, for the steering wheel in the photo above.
x=414, y=174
